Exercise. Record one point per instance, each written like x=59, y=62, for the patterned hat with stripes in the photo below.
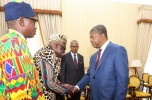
x=57, y=38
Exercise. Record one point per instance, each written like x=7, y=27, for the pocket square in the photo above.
x=80, y=62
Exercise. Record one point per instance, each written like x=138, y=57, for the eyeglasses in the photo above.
x=63, y=48
x=34, y=20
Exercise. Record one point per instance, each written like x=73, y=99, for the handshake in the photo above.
x=70, y=89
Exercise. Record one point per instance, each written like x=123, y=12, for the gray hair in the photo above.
x=74, y=41
x=100, y=29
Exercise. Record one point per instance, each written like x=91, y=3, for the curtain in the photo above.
x=49, y=24
x=144, y=38
x=3, y=26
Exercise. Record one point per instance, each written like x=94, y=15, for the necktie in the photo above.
x=98, y=58
x=75, y=60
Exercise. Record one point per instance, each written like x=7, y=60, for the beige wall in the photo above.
x=79, y=16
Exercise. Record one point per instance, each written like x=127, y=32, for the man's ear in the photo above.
x=21, y=21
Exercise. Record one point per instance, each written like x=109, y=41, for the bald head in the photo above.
x=74, y=42
x=74, y=46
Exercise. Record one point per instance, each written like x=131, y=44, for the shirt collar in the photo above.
x=73, y=53
x=104, y=45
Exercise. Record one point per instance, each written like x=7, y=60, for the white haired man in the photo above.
x=50, y=55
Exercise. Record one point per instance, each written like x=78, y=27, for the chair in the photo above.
x=128, y=97
x=87, y=93
x=144, y=80
x=149, y=85
x=134, y=83
x=150, y=82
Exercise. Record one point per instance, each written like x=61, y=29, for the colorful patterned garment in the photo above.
x=18, y=75
x=53, y=85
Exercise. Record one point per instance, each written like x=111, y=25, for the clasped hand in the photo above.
x=70, y=89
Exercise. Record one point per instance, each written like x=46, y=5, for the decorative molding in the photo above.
x=144, y=21
x=40, y=11
x=145, y=7
x=1, y=8
x=54, y=12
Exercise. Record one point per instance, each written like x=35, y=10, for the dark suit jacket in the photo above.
x=70, y=73
x=110, y=80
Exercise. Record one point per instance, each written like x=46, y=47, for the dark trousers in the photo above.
x=59, y=97
x=75, y=96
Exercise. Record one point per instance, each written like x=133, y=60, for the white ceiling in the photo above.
x=145, y=2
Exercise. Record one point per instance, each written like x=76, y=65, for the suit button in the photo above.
x=93, y=77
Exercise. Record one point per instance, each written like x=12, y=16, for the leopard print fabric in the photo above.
x=48, y=55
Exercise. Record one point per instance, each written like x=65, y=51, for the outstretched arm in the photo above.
x=49, y=79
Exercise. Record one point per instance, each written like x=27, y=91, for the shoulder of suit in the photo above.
x=80, y=55
x=114, y=47
x=66, y=54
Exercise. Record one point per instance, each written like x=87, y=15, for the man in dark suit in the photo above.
x=72, y=68
x=108, y=70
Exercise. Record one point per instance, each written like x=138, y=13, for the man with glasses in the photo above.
x=72, y=68
x=47, y=60
x=18, y=76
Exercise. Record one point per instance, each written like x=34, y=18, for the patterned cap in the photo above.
x=57, y=38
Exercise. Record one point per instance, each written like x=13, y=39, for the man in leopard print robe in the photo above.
x=50, y=55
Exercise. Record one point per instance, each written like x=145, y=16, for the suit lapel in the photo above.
x=77, y=61
x=78, y=58
x=70, y=58
x=106, y=51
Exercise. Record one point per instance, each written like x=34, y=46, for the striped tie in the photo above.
x=98, y=58
x=75, y=60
